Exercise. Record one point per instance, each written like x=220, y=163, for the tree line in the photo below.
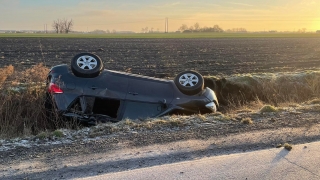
x=62, y=25
x=216, y=28
x=151, y=30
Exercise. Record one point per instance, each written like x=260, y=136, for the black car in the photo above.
x=88, y=92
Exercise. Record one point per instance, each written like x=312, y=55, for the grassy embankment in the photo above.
x=163, y=35
x=22, y=112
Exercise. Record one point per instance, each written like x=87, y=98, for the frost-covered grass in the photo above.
x=104, y=130
x=163, y=124
x=276, y=88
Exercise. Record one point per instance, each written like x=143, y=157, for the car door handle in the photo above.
x=93, y=88
x=133, y=93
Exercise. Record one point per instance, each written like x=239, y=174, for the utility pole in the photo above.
x=166, y=25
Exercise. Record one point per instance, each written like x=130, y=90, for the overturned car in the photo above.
x=89, y=93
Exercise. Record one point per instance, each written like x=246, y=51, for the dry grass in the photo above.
x=273, y=88
x=47, y=134
x=159, y=123
x=57, y=133
x=5, y=73
x=268, y=108
x=287, y=146
x=278, y=145
x=310, y=108
x=247, y=121
x=314, y=101
x=249, y=107
x=21, y=101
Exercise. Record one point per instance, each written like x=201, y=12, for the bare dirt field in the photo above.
x=167, y=57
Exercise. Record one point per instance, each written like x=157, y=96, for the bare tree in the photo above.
x=196, y=26
x=67, y=25
x=62, y=26
x=217, y=28
x=56, y=26
x=183, y=27
x=191, y=28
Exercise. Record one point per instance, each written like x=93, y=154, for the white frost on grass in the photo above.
x=107, y=130
x=174, y=123
x=297, y=77
x=11, y=144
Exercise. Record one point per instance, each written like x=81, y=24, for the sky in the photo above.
x=125, y=15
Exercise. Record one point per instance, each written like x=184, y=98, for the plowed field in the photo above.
x=167, y=57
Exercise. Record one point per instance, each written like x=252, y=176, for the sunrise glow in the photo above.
x=124, y=15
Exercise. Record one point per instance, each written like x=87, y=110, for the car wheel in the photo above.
x=86, y=65
x=189, y=82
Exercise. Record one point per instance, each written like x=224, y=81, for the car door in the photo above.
x=108, y=85
x=147, y=97
x=149, y=90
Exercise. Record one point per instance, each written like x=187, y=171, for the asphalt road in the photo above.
x=302, y=162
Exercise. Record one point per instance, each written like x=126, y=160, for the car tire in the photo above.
x=86, y=65
x=189, y=82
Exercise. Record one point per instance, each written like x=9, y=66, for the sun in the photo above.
x=316, y=25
